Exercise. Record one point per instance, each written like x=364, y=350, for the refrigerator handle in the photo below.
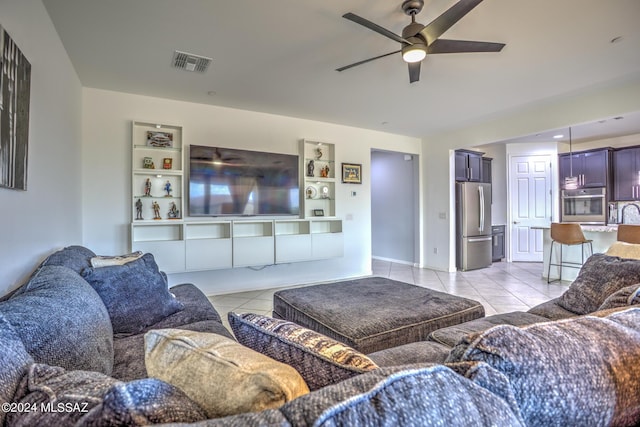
x=481, y=196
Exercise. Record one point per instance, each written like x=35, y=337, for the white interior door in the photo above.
x=530, y=189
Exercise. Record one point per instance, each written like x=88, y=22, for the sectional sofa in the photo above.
x=93, y=341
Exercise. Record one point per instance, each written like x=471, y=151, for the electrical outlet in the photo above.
x=435, y=251
x=442, y=215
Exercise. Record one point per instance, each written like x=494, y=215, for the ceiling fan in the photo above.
x=419, y=40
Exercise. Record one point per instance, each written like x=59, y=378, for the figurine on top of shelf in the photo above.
x=167, y=188
x=324, y=172
x=174, y=213
x=310, y=167
x=156, y=210
x=139, y=209
x=318, y=153
x=147, y=188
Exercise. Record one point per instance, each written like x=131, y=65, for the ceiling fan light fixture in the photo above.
x=414, y=52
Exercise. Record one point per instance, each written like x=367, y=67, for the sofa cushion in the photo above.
x=222, y=376
x=62, y=321
x=416, y=395
x=600, y=276
x=450, y=336
x=136, y=294
x=319, y=359
x=580, y=371
x=629, y=295
x=551, y=310
x=14, y=362
x=414, y=352
x=76, y=258
x=57, y=397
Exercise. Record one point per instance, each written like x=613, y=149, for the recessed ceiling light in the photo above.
x=558, y=136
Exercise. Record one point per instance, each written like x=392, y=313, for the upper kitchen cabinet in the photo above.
x=626, y=167
x=591, y=168
x=468, y=165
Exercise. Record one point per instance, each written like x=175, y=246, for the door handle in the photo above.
x=516, y=222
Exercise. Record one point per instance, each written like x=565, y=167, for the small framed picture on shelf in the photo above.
x=318, y=212
x=147, y=163
x=159, y=139
x=352, y=173
x=167, y=163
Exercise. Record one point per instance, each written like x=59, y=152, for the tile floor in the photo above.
x=501, y=288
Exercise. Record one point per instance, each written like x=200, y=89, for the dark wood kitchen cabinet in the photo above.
x=590, y=167
x=626, y=174
x=468, y=165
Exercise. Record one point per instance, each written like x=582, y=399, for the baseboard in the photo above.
x=396, y=261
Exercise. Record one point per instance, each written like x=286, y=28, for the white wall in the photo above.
x=106, y=174
x=590, y=105
x=48, y=215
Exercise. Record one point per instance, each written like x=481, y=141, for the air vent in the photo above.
x=190, y=62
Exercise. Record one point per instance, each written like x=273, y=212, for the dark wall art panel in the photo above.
x=15, y=89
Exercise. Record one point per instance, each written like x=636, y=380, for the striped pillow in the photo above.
x=320, y=360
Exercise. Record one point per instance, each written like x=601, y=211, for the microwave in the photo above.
x=585, y=205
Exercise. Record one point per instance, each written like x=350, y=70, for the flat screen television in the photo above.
x=228, y=181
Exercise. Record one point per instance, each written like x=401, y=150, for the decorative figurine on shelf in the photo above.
x=167, y=163
x=310, y=167
x=167, y=188
x=147, y=163
x=147, y=188
x=309, y=193
x=139, y=209
x=318, y=153
x=325, y=192
x=156, y=210
x=324, y=172
x=174, y=213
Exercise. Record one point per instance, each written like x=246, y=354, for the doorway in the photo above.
x=395, y=207
x=531, y=205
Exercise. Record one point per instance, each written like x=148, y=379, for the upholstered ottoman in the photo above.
x=374, y=313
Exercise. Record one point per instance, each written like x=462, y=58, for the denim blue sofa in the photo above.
x=72, y=352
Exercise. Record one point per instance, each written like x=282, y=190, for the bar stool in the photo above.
x=570, y=235
x=628, y=233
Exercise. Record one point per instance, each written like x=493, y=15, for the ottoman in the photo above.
x=373, y=313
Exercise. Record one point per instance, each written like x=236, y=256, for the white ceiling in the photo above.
x=280, y=56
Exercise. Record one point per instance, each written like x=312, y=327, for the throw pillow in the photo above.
x=219, y=374
x=135, y=294
x=52, y=396
x=629, y=295
x=414, y=395
x=62, y=321
x=107, y=261
x=580, y=371
x=74, y=257
x=624, y=250
x=14, y=362
x=600, y=276
x=319, y=359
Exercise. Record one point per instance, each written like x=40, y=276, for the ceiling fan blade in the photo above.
x=414, y=71
x=346, y=67
x=457, y=46
x=374, y=27
x=445, y=21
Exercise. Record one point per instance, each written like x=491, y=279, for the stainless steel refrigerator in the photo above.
x=473, y=225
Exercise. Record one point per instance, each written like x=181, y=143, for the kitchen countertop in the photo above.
x=611, y=228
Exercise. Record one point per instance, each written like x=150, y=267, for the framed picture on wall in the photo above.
x=352, y=173
x=15, y=89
